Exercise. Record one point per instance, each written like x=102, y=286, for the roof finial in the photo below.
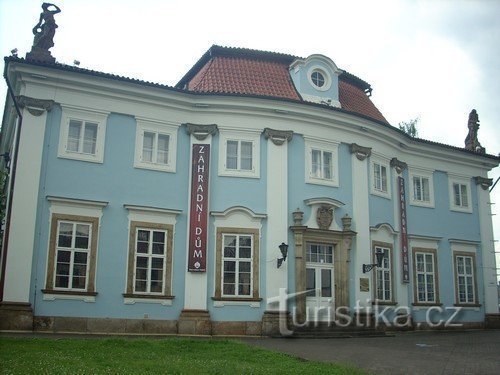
x=471, y=142
x=44, y=34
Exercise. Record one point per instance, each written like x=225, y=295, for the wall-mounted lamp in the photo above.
x=284, y=251
x=380, y=257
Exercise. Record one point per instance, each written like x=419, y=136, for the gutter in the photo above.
x=5, y=242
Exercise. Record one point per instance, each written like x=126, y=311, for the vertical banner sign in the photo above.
x=404, y=231
x=198, y=214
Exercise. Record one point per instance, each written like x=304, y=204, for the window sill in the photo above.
x=53, y=294
x=132, y=299
x=471, y=305
x=239, y=173
x=322, y=181
x=381, y=194
x=426, y=304
x=224, y=301
x=155, y=167
x=384, y=303
x=422, y=204
x=465, y=210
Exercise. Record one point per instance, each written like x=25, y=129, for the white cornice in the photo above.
x=68, y=88
x=158, y=210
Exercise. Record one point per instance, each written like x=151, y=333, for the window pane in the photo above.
x=417, y=189
x=316, y=163
x=65, y=234
x=327, y=165
x=157, y=263
x=377, y=180
x=326, y=283
x=311, y=282
x=147, y=146
x=90, y=138
x=425, y=190
x=162, y=153
x=156, y=286
x=383, y=172
x=62, y=281
x=232, y=155
x=140, y=286
x=79, y=270
x=74, y=136
x=246, y=156
x=465, y=200
x=80, y=258
x=63, y=256
x=456, y=193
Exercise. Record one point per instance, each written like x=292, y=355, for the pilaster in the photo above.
x=487, y=245
x=277, y=211
x=21, y=236
x=361, y=219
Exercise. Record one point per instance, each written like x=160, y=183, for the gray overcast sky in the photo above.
x=433, y=59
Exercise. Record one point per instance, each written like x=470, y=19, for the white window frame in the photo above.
x=421, y=173
x=426, y=273
x=381, y=270
x=461, y=181
x=149, y=255
x=82, y=115
x=472, y=276
x=253, y=137
x=156, y=127
x=237, y=261
x=322, y=146
x=328, y=79
x=382, y=162
x=72, y=250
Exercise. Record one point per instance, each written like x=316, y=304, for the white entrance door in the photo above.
x=320, y=298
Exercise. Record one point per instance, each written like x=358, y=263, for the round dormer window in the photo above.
x=318, y=79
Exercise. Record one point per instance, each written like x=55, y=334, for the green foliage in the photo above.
x=410, y=127
x=159, y=356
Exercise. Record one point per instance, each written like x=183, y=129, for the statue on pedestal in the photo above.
x=471, y=141
x=44, y=32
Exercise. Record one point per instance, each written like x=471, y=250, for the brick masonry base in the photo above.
x=492, y=321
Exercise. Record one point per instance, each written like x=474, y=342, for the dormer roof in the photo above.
x=251, y=72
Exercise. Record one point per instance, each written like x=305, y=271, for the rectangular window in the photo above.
x=149, y=260
x=155, y=148
x=421, y=190
x=237, y=265
x=425, y=276
x=380, y=177
x=72, y=255
x=72, y=252
x=322, y=166
x=150, y=253
x=239, y=155
x=460, y=195
x=383, y=274
x=465, y=279
x=82, y=134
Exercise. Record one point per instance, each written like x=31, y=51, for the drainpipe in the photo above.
x=5, y=242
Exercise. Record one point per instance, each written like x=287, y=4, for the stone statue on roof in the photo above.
x=471, y=141
x=44, y=32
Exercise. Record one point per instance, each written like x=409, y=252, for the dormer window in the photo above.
x=318, y=78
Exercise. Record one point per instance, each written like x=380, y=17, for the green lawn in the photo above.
x=175, y=355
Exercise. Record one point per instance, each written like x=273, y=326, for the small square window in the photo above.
x=82, y=135
x=421, y=188
x=155, y=146
x=460, y=196
x=239, y=154
x=321, y=162
x=380, y=177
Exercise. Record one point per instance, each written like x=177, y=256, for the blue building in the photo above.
x=262, y=186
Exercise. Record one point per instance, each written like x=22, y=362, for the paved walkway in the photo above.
x=469, y=352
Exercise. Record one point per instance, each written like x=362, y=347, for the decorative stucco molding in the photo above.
x=34, y=106
x=484, y=182
x=361, y=152
x=278, y=137
x=201, y=132
x=399, y=165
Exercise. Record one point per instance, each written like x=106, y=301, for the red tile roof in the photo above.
x=251, y=72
